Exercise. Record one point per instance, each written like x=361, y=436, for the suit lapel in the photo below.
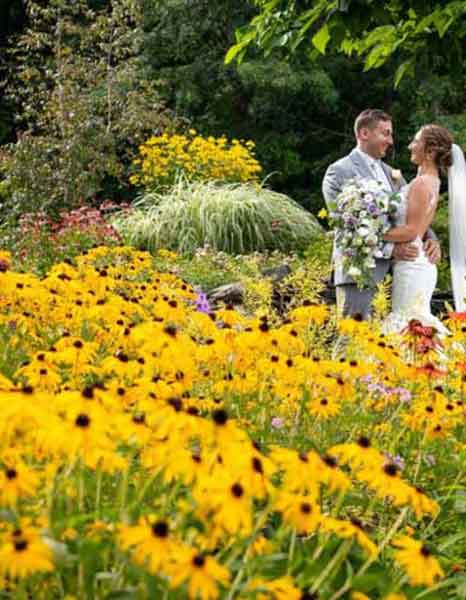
x=388, y=174
x=361, y=165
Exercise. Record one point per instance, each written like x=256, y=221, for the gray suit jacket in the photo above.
x=337, y=174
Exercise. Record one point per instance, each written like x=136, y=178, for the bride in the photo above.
x=433, y=151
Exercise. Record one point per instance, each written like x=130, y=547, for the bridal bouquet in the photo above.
x=361, y=214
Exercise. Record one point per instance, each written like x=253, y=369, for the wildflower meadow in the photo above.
x=153, y=447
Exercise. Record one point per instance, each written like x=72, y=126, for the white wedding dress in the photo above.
x=414, y=281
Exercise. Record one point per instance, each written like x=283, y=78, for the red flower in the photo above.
x=457, y=316
x=415, y=327
x=431, y=370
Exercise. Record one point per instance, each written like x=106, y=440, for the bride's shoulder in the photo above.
x=424, y=187
x=424, y=182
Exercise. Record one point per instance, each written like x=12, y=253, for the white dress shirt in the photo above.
x=375, y=167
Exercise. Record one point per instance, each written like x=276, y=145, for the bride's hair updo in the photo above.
x=438, y=141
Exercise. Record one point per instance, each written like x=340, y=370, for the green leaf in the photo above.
x=405, y=68
x=321, y=39
x=377, y=56
x=234, y=51
x=122, y=595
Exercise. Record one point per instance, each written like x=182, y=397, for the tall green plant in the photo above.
x=236, y=218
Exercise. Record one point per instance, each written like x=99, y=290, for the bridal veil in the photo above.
x=457, y=226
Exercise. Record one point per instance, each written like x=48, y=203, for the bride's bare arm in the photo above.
x=418, y=216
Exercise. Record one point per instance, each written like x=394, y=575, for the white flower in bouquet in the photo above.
x=361, y=214
x=354, y=272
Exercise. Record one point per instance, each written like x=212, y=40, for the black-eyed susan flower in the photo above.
x=16, y=481
x=298, y=511
x=417, y=560
x=149, y=542
x=347, y=530
x=324, y=408
x=23, y=553
x=202, y=573
x=421, y=503
x=282, y=588
x=358, y=454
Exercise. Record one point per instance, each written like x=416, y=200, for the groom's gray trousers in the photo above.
x=355, y=302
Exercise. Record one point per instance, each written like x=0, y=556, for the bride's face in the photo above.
x=417, y=148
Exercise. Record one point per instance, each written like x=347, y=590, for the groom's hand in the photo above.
x=405, y=251
x=432, y=249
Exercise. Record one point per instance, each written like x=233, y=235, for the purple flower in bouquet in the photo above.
x=361, y=214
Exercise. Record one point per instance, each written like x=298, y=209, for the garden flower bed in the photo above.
x=151, y=448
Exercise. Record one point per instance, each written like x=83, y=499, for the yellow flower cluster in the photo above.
x=163, y=158
x=127, y=383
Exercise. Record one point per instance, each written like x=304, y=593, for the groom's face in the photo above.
x=378, y=139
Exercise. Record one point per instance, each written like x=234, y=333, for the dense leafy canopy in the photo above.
x=415, y=33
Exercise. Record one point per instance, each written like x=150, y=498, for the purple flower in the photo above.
x=277, y=422
x=397, y=460
x=202, y=303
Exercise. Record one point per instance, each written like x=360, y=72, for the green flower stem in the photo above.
x=81, y=486
x=262, y=519
x=98, y=492
x=333, y=565
x=396, y=525
x=291, y=551
x=458, y=478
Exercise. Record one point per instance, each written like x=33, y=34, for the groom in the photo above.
x=374, y=136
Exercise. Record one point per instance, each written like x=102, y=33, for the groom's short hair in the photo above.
x=370, y=118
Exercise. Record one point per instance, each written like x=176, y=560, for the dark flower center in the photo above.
x=88, y=392
x=391, y=469
x=257, y=465
x=199, y=561
x=237, y=490
x=330, y=461
x=303, y=457
x=160, y=529
x=21, y=545
x=425, y=551
x=220, y=416
x=364, y=442
x=82, y=420
x=11, y=474
x=305, y=508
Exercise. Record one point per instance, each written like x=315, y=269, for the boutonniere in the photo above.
x=396, y=175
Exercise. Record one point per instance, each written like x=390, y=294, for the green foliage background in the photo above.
x=298, y=106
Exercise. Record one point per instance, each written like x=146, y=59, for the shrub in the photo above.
x=39, y=242
x=235, y=218
x=83, y=105
x=163, y=158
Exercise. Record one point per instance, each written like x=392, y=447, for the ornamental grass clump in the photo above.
x=234, y=218
x=164, y=158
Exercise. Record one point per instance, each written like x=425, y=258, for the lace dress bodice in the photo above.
x=413, y=280
x=432, y=181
